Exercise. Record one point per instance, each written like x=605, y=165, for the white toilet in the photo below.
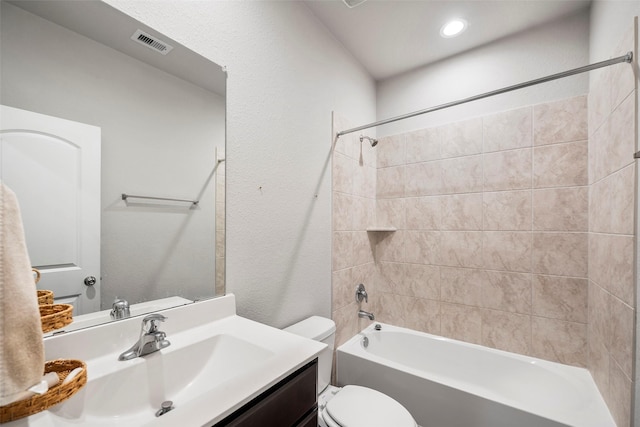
x=351, y=405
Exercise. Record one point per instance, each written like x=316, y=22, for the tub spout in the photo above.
x=363, y=313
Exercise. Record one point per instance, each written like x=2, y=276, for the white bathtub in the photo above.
x=449, y=383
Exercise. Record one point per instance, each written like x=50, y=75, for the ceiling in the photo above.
x=389, y=37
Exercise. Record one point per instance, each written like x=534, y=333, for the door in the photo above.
x=53, y=166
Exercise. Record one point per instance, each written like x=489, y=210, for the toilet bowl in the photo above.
x=351, y=405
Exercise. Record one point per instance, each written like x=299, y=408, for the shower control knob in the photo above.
x=90, y=280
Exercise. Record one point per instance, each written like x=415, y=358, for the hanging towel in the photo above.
x=21, y=345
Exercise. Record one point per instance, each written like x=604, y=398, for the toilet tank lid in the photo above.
x=315, y=327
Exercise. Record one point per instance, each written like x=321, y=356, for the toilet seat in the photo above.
x=356, y=406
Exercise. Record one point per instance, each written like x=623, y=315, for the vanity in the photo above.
x=220, y=370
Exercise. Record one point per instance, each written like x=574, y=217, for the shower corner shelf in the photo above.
x=381, y=229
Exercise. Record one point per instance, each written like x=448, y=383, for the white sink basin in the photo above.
x=212, y=367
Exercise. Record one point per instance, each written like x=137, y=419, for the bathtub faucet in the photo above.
x=363, y=313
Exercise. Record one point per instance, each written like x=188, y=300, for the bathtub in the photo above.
x=449, y=383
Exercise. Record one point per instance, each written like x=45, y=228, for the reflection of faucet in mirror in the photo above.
x=120, y=309
x=151, y=339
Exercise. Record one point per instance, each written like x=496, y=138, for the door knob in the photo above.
x=90, y=280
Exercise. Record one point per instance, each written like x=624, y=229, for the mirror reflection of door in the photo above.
x=53, y=166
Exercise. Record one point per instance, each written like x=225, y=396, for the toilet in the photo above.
x=351, y=405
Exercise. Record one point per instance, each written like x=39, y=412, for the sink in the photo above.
x=216, y=363
x=135, y=390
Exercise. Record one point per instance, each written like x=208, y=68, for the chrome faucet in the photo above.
x=120, y=309
x=151, y=339
x=361, y=293
x=363, y=313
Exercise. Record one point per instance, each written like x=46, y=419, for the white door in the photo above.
x=53, y=166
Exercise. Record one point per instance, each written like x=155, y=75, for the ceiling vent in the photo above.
x=151, y=42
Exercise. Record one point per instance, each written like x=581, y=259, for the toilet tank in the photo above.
x=319, y=329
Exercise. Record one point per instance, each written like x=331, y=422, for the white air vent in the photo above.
x=151, y=42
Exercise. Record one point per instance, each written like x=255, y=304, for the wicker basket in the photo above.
x=45, y=297
x=55, y=316
x=55, y=395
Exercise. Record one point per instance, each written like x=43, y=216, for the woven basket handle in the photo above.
x=36, y=274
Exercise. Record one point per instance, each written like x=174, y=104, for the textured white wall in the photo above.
x=286, y=75
x=548, y=49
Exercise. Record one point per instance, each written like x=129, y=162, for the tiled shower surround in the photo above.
x=514, y=231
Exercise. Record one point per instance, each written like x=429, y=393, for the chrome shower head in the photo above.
x=372, y=141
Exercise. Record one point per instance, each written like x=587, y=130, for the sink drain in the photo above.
x=165, y=407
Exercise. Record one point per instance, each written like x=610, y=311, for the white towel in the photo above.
x=21, y=345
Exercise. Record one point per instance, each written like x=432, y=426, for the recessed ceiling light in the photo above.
x=453, y=28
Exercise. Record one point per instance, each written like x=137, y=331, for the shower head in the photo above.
x=372, y=141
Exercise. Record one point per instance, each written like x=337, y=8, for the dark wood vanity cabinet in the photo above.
x=290, y=403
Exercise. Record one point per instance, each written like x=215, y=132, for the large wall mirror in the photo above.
x=113, y=139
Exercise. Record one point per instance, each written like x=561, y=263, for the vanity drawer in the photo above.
x=291, y=402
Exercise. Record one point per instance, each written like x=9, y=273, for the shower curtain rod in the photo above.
x=626, y=58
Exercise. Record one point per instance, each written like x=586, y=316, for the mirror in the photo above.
x=161, y=120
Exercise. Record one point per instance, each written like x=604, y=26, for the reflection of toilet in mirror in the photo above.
x=351, y=405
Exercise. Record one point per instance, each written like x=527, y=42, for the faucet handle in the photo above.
x=361, y=293
x=151, y=320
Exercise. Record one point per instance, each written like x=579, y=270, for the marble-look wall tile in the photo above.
x=461, y=322
x=620, y=251
x=390, y=182
x=391, y=151
x=620, y=395
x=507, y=170
x=506, y=250
x=599, y=364
x=390, y=246
x=343, y=171
x=342, y=212
x=622, y=75
x=423, y=213
x=561, y=209
x=599, y=100
x=506, y=331
x=364, y=181
x=423, y=179
x=365, y=274
x=560, y=121
x=461, y=285
x=621, y=141
x=461, y=138
x=393, y=309
x=346, y=145
x=391, y=213
x=390, y=277
x=462, y=175
x=424, y=315
x=559, y=341
x=507, y=291
x=561, y=298
x=562, y=254
x=599, y=146
x=508, y=130
x=341, y=288
x=462, y=212
x=561, y=165
x=599, y=315
x=346, y=323
x=362, y=247
x=422, y=280
x=342, y=256
x=423, y=247
x=599, y=206
x=622, y=206
x=423, y=145
x=461, y=249
x=363, y=213
x=622, y=324
x=507, y=210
